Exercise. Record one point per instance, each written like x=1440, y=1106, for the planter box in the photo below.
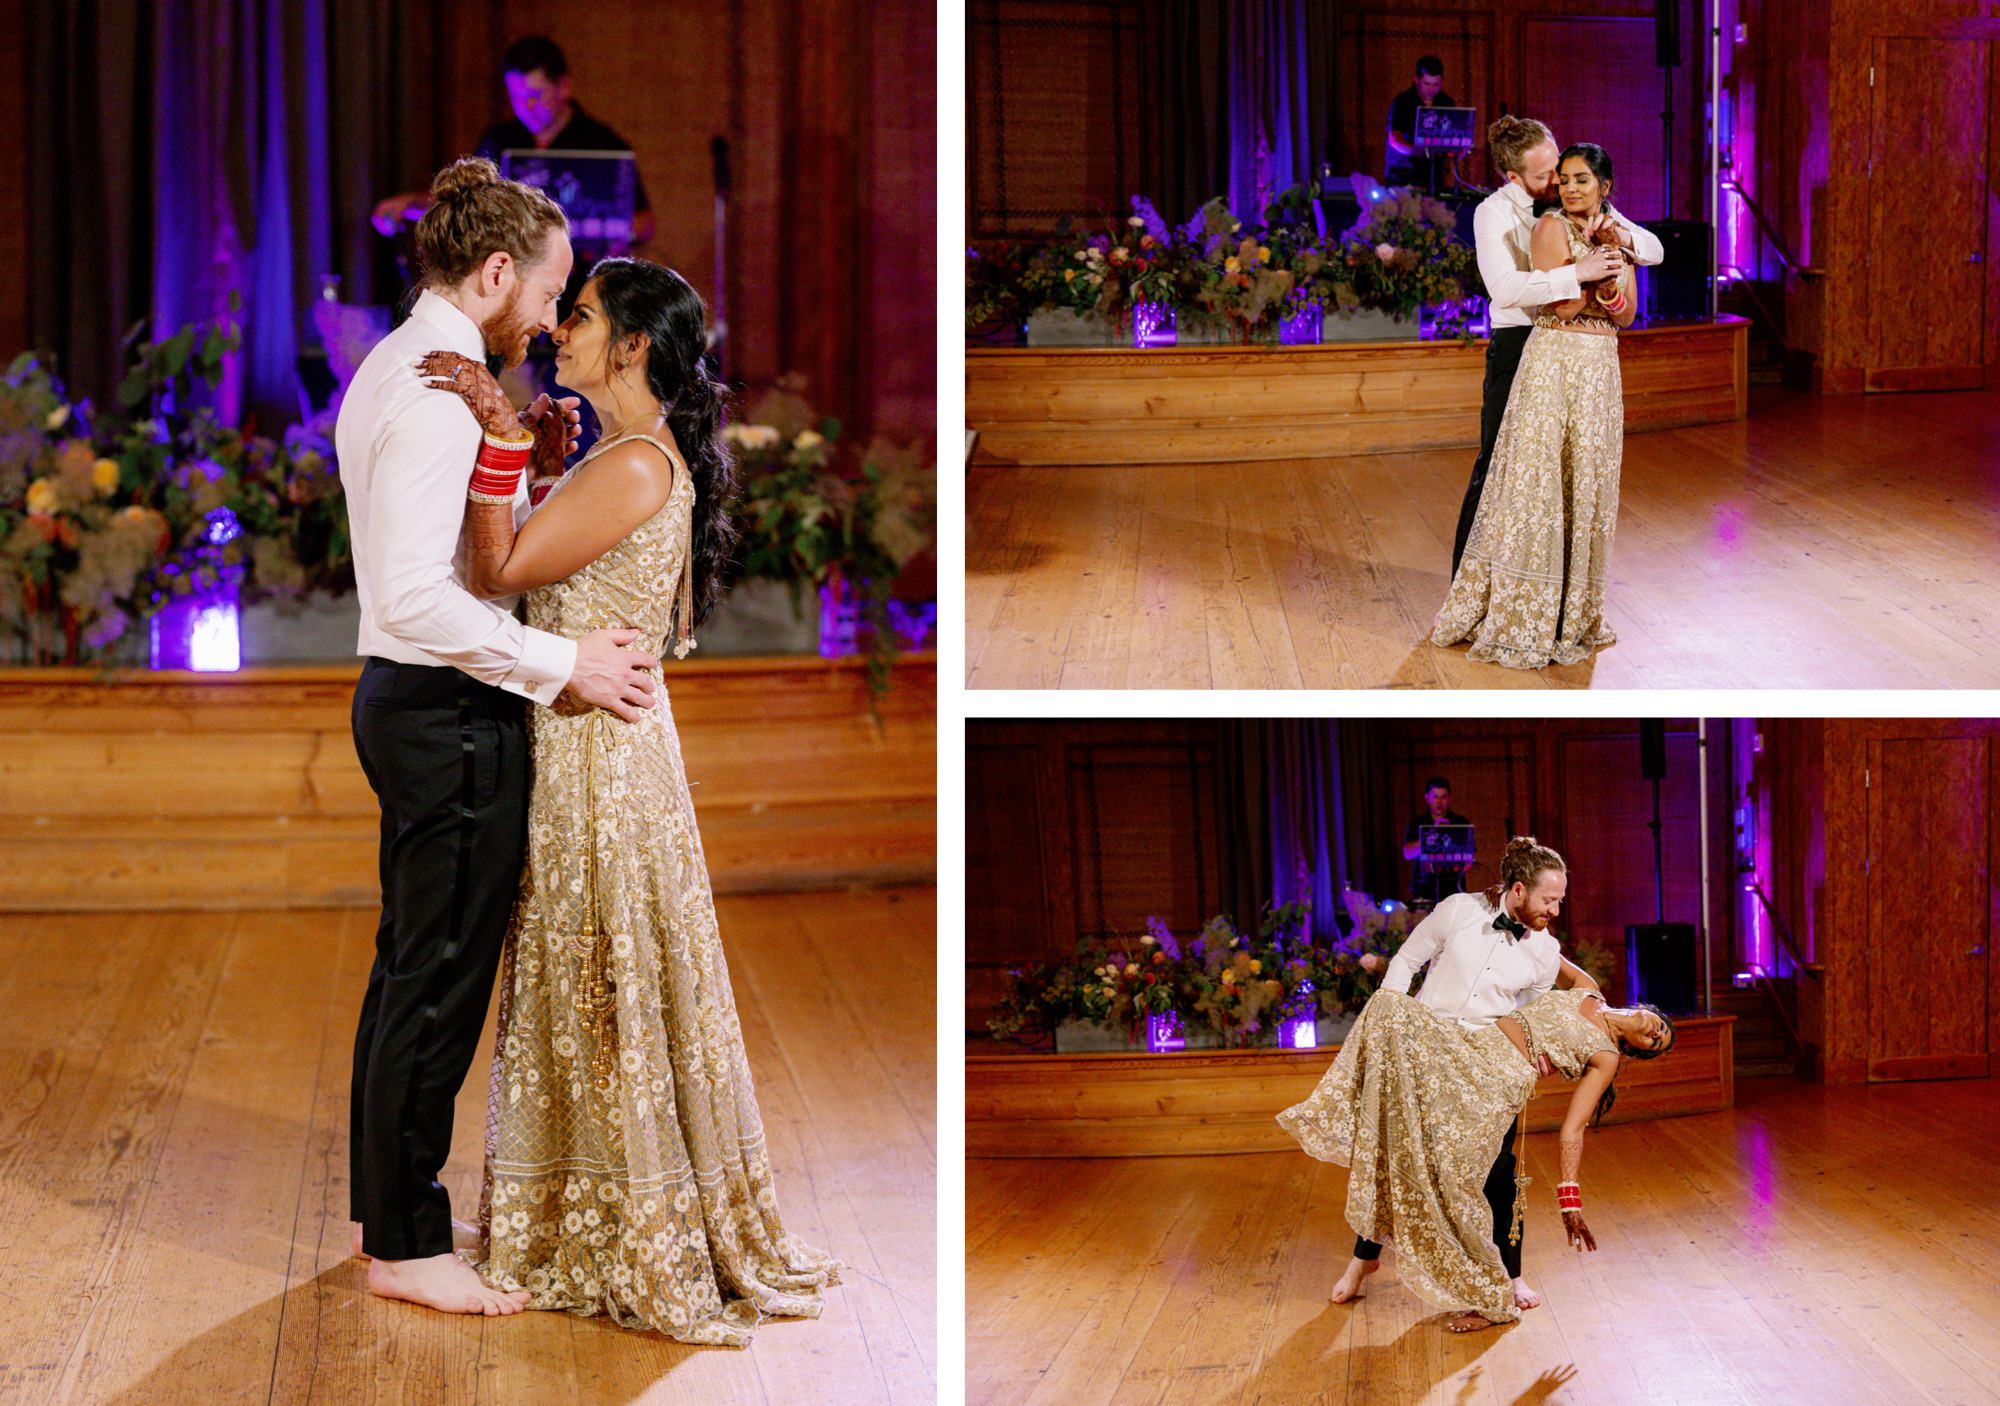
x=1059, y=327
x=760, y=616
x=1088, y=1037
x=1368, y=325
x=311, y=629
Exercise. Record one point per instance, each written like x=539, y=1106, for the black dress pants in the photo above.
x=1499, y=1195
x=447, y=757
x=1503, y=359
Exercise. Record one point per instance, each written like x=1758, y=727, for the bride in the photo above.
x=1416, y=1107
x=626, y=1171
x=1529, y=590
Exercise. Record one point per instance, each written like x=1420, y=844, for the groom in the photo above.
x=1503, y=229
x=1485, y=962
x=438, y=716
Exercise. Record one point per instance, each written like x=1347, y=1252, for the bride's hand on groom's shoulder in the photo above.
x=472, y=383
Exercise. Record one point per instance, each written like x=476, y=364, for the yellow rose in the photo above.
x=1263, y=253
x=104, y=473
x=41, y=496
x=1229, y=976
x=1256, y=964
x=1232, y=264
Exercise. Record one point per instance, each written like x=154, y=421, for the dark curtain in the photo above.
x=196, y=149
x=1373, y=851
x=90, y=268
x=1244, y=100
x=1283, y=818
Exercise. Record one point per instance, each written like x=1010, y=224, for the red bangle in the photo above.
x=496, y=472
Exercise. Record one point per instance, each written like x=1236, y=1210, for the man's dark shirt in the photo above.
x=1401, y=170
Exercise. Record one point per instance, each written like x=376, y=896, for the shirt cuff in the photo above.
x=547, y=661
x=1563, y=283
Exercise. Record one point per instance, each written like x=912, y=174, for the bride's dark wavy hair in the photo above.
x=1597, y=159
x=638, y=295
x=1634, y=1052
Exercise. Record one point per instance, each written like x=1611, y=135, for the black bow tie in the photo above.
x=1511, y=926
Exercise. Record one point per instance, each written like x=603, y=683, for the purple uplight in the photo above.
x=1163, y=1033
x=1153, y=325
x=1300, y=329
x=1298, y=1033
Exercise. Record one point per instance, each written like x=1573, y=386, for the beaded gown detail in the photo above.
x=1416, y=1107
x=626, y=1171
x=1530, y=588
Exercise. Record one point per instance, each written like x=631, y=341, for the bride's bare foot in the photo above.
x=443, y=1282
x=1349, y=1286
x=463, y=1237
x=1469, y=1323
x=1524, y=1295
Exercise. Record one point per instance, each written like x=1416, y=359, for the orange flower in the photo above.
x=46, y=524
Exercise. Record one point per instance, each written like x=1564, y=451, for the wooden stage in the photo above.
x=1823, y=542
x=1206, y=404
x=162, y=791
x=1202, y=1102
x=173, y=1171
x=1812, y=1245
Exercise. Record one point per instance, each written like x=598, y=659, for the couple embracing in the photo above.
x=1424, y=1102
x=535, y=810
x=1533, y=546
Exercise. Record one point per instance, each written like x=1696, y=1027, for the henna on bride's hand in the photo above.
x=472, y=383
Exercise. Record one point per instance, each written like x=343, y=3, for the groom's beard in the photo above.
x=507, y=335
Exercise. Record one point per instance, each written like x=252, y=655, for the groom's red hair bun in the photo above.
x=475, y=212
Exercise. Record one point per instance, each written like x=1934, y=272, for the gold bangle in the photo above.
x=491, y=498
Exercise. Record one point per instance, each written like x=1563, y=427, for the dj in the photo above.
x=546, y=118
x=1402, y=165
x=1433, y=880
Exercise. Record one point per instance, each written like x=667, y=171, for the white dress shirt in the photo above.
x=1503, y=235
x=1476, y=974
x=406, y=452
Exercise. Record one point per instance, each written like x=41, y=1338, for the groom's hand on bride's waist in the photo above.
x=611, y=675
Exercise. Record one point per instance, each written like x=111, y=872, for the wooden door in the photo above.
x=1927, y=210
x=1929, y=908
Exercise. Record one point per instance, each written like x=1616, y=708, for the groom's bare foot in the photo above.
x=1469, y=1323
x=443, y=1282
x=463, y=1237
x=1349, y=1286
x=1525, y=1295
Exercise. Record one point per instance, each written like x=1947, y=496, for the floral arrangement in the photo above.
x=1399, y=255
x=1243, y=985
x=811, y=515
x=103, y=520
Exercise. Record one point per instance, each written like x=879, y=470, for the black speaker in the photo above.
x=1653, y=748
x=1667, y=33
x=1659, y=965
x=1677, y=290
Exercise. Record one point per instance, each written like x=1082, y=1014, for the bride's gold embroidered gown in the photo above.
x=1416, y=1107
x=626, y=1172
x=1530, y=587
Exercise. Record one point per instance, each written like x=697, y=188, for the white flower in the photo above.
x=809, y=439
x=58, y=417
x=1135, y=221
x=752, y=436
x=1385, y=252
x=1131, y=969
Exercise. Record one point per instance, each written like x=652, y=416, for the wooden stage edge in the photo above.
x=173, y=791
x=1190, y=405
x=1203, y=1102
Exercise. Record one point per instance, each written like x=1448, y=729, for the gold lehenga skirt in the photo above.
x=1530, y=588
x=626, y=1165
x=1416, y=1108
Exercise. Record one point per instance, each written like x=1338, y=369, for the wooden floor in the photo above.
x=1827, y=542
x=1812, y=1245
x=173, y=1179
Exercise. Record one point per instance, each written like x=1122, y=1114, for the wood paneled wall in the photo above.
x=1078, y=831
x=1869, y=907
x=183, y=792
x=1586, y=66
x=1805, y=125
